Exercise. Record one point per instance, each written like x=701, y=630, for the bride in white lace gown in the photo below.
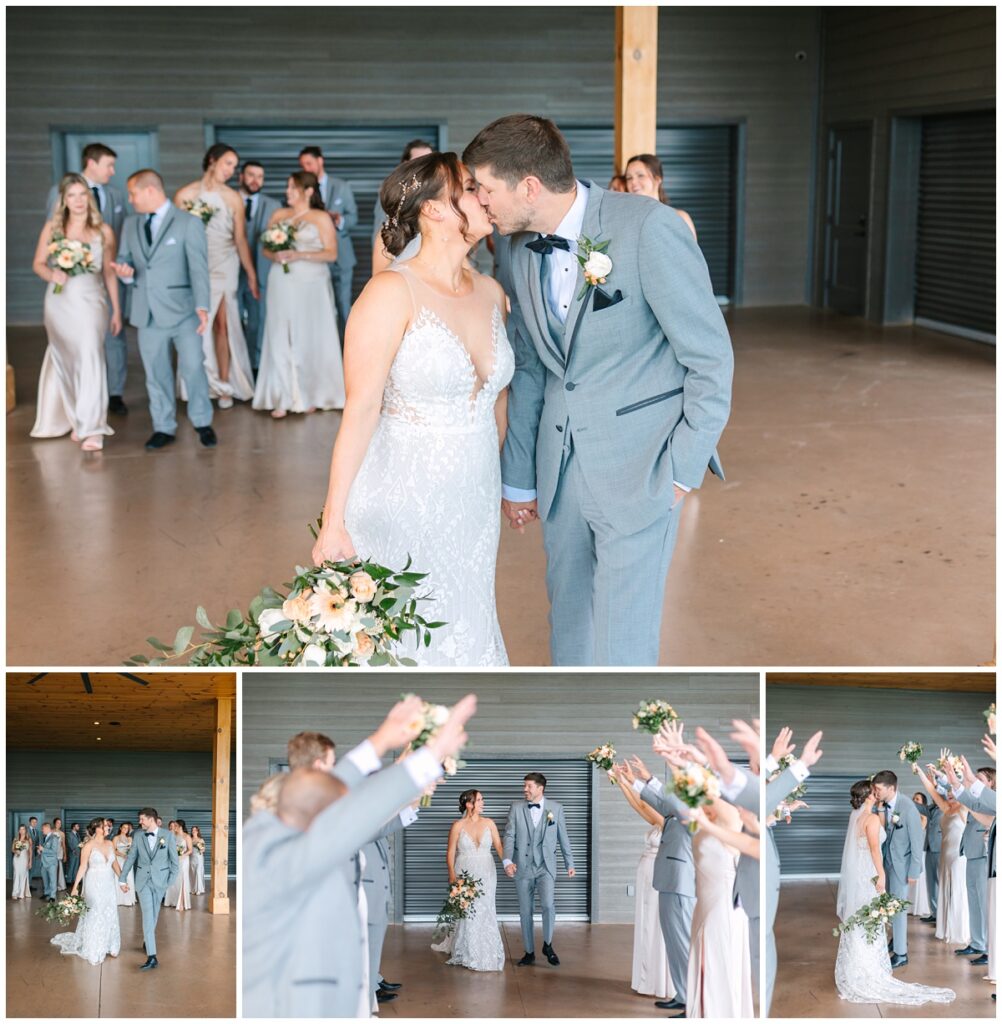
x=97, y=934
x=416, y=466
x=475, y=942
x=862, y=968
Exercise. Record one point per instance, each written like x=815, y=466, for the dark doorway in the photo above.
x=847, y=219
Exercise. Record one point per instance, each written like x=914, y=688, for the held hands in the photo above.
x=203, y=321
x=571, y=872
x=518, y=513
x=124, y=888
x=124, y=271
x=510, y=870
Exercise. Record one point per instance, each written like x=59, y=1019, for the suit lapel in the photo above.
x=157, y=242
x=591, y=228
x=532, y=265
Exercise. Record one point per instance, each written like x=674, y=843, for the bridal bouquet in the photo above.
x=199, y=208
x=63, y=910
x=989, y=714
x=872, y=916
x=652, y=714
x=69, y=255
x=460, y=904
x=280, y=237
x=695, y=786
x=911, y=752
x=433, y=717
x=604, y=757
x=337, y=614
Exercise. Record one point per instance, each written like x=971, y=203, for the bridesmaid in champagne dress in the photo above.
x=227, y=362
x=21, y=850
x=301, y=369
x=198, y=859
x=183, y=841
x=123, y=842
x=73, y=385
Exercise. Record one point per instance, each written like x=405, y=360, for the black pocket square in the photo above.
x=604, y=300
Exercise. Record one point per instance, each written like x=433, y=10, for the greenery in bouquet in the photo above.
x=63, y=910
x=695, y=786
x=280, y=237
x=433, y=717
x=910, y=752
x=459, y=904
x=604, y=757
x=70, y=256
x=200, y=208
x=873, y=916
x=652, y=714
x=797, y=794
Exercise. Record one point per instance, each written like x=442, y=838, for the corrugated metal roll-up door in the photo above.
x=87, y=814
x=425, y=875
x=203, y=819
x=813, y=841
x=955, y=253
x=701, y=167
x=361, y=155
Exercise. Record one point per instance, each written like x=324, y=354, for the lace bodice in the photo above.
x=97, y=933
x=474, y=850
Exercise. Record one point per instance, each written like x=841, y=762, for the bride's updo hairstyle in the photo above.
x=467, y=799
x=305, y=180
x=860, y=793
x=96, y=826
x=409, y=187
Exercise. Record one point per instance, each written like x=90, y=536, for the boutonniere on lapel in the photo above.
x=595, y=263
x=163, y=844
x=895, y=820
x=549, y=817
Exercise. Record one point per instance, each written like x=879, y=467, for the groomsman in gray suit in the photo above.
x=340, y=203
x=163, y=255
x=48, y=854
x=974, y=846
x=531, y=833
x=98, y=170
x=674, y=879
x=35, y=835
x=621, y=391
x=73, y=852
x=902, y=852
x=932, y=846
x=258, y=209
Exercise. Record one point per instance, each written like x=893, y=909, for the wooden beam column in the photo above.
x=636, y=111
x=219, y=900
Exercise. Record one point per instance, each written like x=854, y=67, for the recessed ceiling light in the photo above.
x=97, y=723
x=99, y=738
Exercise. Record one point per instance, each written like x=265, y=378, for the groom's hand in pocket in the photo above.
x=518, y=513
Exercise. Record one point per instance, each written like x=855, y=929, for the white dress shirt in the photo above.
x=421, y=765
x=158, y=219
x=103, y=199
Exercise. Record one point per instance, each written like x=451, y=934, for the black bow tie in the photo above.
x=152, y=835
x=545, y=244
x=535, y=805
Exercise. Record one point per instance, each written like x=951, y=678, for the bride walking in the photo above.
x=475, y=942
x=862, y=968
x=416, y=466
x=97, y=934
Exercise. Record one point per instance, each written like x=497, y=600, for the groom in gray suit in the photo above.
x=902, y=852
x=534, y=827
x=621, y=390
x=163, y=254
x=153, y=854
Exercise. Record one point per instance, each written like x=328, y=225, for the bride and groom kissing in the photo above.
x=605, y=389
x=535, y=827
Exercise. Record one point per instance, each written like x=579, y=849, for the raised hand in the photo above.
x=969, y=777
x=640, y=769
x=675, y=756
x=781, y=745
x=951, y=776
x=451, y=737
x=811, y=753
x=718, y=760
x=401, y=725
x=625, y=772
x=748, y=738
x=989, y=744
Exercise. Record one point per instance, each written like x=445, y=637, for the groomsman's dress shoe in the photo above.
x=550, y=954
x=151, y=962
x=385, y=997
x=390, y=986
x=968, y=950
x=899, y=961
x=159, y=440
x=207, y=436
x=661, y=1004
x=528, y=960
x=117, y=406
x=931, y=919
x=979, y=961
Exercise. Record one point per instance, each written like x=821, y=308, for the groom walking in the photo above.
x=902, y=853
x=154, y=857
x=533, y=829
x=621, y=390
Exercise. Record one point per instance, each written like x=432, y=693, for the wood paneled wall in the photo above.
x=520, y=713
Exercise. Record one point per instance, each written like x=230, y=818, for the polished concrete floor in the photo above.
x=196, y=977
x=805, y=984
x=593, y=979
x=855, y=526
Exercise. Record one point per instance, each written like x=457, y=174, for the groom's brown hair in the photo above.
x=538, y=777
x=519, y=145
x=886, y=778
x=148, y=812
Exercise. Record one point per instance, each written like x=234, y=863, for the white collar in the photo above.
x=161, y=210
x=573, y=223
x=540, y=801
x=892, y=802
x=91, y=184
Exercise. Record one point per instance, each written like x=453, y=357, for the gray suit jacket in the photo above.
x=640, y=379
x=50, y=848
x=933, y=827
x=291, y=891
x=153, y=870
x=263, y=210
x=747, y=877
x=984, y=803
x=904, y=842
x=674, y=870
x=775, y=793
x=72, y=842
x=974, y=841
x=116, y=206
x=339, y=198
x=520, y=838
x=172, y=277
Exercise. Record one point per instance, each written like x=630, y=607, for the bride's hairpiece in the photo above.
x=405, y=189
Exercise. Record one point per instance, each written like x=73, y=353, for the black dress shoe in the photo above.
x=931, y=919
x=979, y=961
x=967, y=950
x=674, y=1004
x=528, y=960
x=390, y=986
x=50, y=899
x=159, y=440
x=151, y=962
x=385, y=997
x=550, y=955
x=899, y=961
x=207, y=436
x=117, y=406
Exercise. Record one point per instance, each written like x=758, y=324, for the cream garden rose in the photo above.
x=598, y=266
x=363, y=586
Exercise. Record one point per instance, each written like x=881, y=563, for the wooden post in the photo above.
x=636, y=83
x=219, y=900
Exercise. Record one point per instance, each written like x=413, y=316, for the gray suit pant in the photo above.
x=753, y=949
x=770, y=968
x=898, y=886
x=932, y=879
x=977, y=902
x=586, y=558
x=341, y=280
x=529, y=881
x=254, y=319
x=675, y=913
x=116, y=353
x=49, y=875
x=150, y=902
x=72, y=867
x=377, y=935
x=154, y=346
